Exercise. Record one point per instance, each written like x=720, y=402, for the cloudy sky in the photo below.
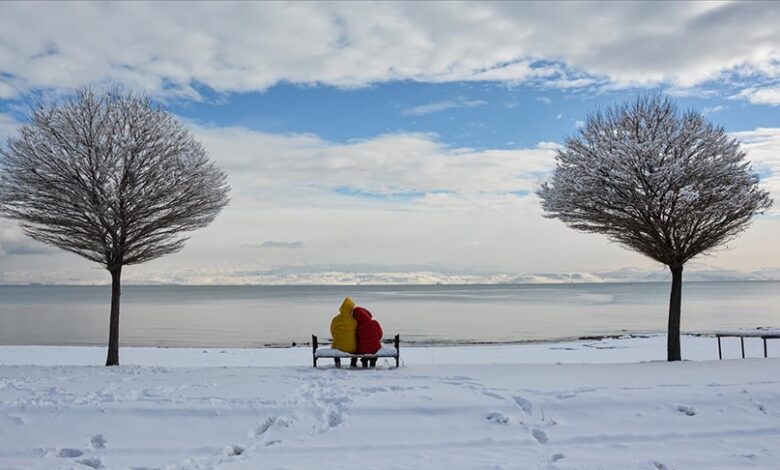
x=394, y=139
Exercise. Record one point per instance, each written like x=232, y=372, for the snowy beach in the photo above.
x=611, y=403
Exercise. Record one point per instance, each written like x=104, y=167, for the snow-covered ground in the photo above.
x=590, y=404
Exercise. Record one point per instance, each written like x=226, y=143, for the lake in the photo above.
x=251, y=316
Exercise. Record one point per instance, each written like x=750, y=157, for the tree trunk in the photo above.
x=675, y=301
x=113, y=327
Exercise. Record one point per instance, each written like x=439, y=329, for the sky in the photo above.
x=396, y=142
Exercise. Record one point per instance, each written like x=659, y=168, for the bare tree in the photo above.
x=667, y=184
x=110, y=177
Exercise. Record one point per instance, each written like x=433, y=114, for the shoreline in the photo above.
x=614, y=350
x=408, y=343
x=404, y=342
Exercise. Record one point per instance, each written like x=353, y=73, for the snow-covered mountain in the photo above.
x=409, y=274
x=356, y=274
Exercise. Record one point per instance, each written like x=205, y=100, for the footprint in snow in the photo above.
x=524, y=404
x=540, y=436
x=497, y=417
x=68, y=452
x=334, y=417
x=493, y=395
x=261, y=428
x=284, y=421
x=688, y=410
x=97, y=442
x=231, y=450
x=267, y=423
x=92, y=462
x=557, y=457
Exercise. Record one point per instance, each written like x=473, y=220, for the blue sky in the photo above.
x=464, y=114
x=394, y=137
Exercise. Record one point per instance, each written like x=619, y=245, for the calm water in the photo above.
x=248, y=316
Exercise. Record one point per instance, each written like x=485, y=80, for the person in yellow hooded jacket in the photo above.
x=343, y=328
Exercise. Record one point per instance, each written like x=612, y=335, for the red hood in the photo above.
x=361, y=315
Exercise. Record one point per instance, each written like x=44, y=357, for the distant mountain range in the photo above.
x=408, y=274
x=412, y=274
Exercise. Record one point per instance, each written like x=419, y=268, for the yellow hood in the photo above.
x=347, y=306
x=343, y=327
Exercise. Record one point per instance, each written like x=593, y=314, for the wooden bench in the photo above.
x=319, y=352
x=742, y=334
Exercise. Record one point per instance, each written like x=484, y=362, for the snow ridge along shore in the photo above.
x=589, y=404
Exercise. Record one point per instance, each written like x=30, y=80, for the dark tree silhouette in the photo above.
x=110, y=177
x=667, y=184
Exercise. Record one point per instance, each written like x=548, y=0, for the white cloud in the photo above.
x=763, y=150
x=8, y=127
x=394, y=168
x=7, y=91
x=709, y=110
x=689, y=91
x=172, y=47
x=439, y=106
x=14, y=242
x=769, y=95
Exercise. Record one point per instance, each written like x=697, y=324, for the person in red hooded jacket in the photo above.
x=369, y=334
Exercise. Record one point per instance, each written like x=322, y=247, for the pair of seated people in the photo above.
x=354, y=331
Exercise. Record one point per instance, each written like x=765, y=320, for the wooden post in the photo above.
x=314, y=349
x=720, y=354
x=397, y=344
x=742, y=342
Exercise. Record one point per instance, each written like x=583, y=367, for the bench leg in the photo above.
x=742, y=342
x=314, y=346
x=720, y=354
x=353, y=362
x=765, y=347
x=337, y=361
x=396, y=362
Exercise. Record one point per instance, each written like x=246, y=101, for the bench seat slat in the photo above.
x=385, y=351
